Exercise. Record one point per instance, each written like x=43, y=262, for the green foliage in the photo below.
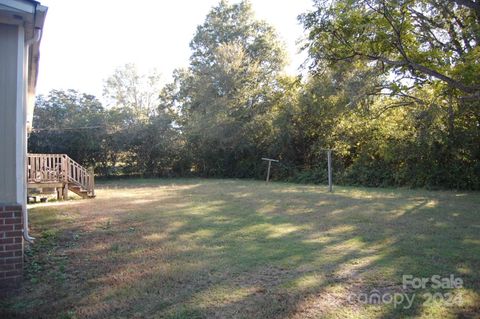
x=225, y=94
x=413, y=119
x=76, y=124
x=393, y=92
x=154, y=148
x=128, y=89
x=411, y=42
x=68, y=122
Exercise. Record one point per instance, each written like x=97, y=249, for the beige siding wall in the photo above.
x=9, y=116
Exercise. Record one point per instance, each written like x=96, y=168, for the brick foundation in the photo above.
x=11, y=246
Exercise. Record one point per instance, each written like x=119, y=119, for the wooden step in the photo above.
x=80, y=191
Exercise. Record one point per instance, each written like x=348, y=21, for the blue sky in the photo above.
x=84, y=41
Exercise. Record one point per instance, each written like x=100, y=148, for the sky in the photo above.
x=84, y=41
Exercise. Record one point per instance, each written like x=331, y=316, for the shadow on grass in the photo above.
x=231, y=249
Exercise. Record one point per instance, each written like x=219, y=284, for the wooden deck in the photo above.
x=60, y=172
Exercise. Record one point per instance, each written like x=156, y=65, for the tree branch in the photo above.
x=474, y=5
x=428, y=71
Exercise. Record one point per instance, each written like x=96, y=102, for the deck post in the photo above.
x=65, y=191
x=65, y=168
x=91, y=183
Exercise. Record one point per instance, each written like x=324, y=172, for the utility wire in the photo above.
x=69, y=128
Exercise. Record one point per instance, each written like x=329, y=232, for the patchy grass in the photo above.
x=244, y=249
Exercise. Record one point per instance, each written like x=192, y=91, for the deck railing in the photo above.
x=46, y=168
x=79, y=175
x=59, y=168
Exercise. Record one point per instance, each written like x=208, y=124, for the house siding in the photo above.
x=12, y=154
x=11, y=114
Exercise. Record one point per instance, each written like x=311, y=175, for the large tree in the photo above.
x=411, y=42
x=220, y=98
x=421, y=55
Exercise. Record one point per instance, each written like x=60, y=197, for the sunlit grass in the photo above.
x=192, y=248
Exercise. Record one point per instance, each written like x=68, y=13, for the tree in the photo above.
x=155, y=148
x=393, y=93
x=219, y=100
x=69, y=122
x=141, y=134
x=236, y=24
x=412, y=42
x=127, y=89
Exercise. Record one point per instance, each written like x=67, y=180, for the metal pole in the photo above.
x=268, y=171
x=329, y=157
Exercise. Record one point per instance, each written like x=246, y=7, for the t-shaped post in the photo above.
x=269, y=165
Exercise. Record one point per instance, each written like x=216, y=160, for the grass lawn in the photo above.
x=193, y=248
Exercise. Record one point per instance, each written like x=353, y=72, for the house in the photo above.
x=21, y=25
